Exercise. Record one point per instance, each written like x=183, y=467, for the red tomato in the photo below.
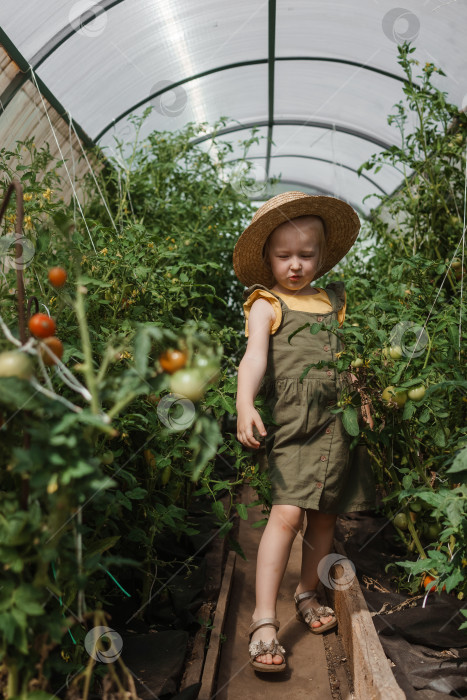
x=54, y=344
x=172, y=360
x=429, y=580
x=57, y=276
x=41, y=325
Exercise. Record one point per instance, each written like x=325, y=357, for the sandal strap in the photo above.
x=312, y=615
x=306, y=594
x=262, y=623
x=273, y=647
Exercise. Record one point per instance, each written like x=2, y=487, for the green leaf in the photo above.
x=8, y=626
x=224, y=529
x=27, y=598
x=409, y=410
x=242, y=511
x=20, y=394
x=350, y=420
x=136, y=494
x=439, y=437
x=459, y=463
x=407, y=481
x=217, y=508
x=142, y=347
x=81, y=469
x=452, y=580
x=84, y=279
x=229, y=404
x=260, y=523
x=424, y=416
x=454, y=512
x=102, y=545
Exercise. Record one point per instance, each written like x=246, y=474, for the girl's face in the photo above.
x=294, y=253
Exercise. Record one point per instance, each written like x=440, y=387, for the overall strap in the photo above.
x=250, y=290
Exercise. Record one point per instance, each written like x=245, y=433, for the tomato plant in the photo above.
x=41, y=325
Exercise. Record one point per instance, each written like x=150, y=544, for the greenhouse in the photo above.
x=233, y=398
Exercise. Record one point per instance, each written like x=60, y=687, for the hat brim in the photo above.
x=342, y=226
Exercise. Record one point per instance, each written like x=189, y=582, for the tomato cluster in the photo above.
x=15, y=363
x=190, y=379
x=43, y=326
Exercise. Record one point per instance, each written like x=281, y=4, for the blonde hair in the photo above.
x=321, y=236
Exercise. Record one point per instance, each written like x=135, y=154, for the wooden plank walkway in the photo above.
x=307, y=673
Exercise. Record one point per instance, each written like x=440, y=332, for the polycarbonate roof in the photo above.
x=319, y=78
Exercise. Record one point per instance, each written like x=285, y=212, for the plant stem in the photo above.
x=413, y=532
x=117, y=407
x=87, y=350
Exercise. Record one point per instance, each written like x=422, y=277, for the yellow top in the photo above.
x=316, y=303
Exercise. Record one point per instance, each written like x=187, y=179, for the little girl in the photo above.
x=292, y=240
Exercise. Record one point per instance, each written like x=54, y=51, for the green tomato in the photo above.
x=415, y=507
x=14, y=363
x=208, y=366
x=433, y=531
x=392, y=396
x=107, y=457
x=396, y=352
x=385, y=352
x=417, y=393
x=165, y=476
x=189, y=383
x=358, y=362
x=400, y=521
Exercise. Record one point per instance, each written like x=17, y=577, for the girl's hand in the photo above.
x=247, y=418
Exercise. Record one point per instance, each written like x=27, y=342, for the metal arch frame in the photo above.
x=239, y=64
x=68, y=31
x=321, y=160
x=294, y=122
x=306, y=186
x=106, y=5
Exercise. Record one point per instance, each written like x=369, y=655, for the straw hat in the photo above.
x=341, y=230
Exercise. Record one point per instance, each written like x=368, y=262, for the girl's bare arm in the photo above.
x=251, y=371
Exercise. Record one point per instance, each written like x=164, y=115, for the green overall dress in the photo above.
x=309, y=463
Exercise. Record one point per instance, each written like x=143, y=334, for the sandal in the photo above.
x=273, y=647
x=310, y=614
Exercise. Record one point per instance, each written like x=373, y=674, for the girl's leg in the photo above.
x=273, y=554
x=317, y=543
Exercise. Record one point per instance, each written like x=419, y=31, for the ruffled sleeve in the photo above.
x=263, y=294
